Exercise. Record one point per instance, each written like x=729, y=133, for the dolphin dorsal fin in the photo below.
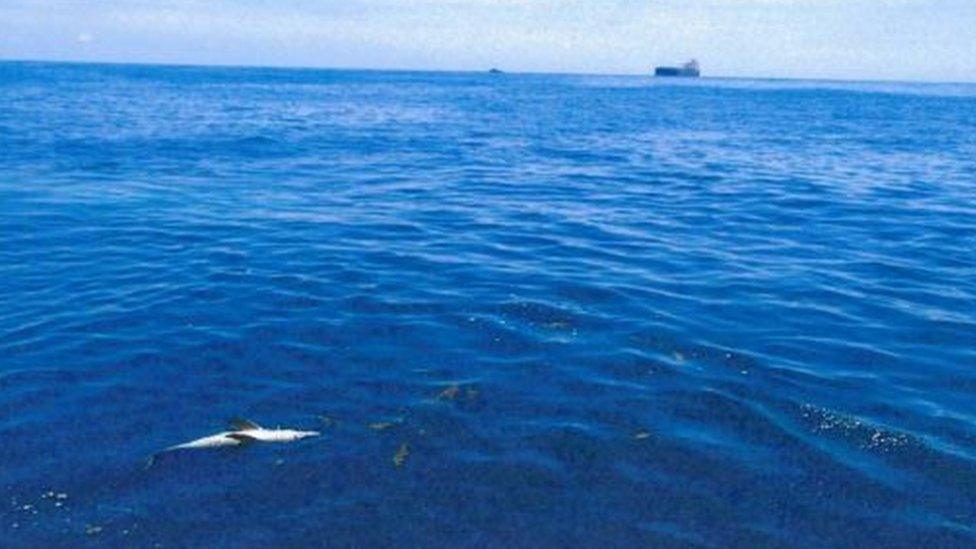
x=243, y=425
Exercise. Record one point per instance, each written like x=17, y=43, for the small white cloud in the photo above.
x=85, y=38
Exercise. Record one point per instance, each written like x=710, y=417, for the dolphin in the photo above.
x=242, y=432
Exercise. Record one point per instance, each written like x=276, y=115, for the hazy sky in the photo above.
x=860, y=39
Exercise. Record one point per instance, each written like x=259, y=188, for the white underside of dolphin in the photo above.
x=243, y=432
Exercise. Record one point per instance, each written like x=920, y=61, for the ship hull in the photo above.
x=676, y=72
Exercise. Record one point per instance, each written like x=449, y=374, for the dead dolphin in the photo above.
x=242, y=432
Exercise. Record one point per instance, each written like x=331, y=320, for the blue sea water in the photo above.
x=525, y=310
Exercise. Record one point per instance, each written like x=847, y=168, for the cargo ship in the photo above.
x=688, y=70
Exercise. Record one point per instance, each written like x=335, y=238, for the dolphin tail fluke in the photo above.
x=152, y=459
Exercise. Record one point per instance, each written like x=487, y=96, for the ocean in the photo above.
x=524, y=310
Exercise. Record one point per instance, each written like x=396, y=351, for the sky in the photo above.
x=927, y=40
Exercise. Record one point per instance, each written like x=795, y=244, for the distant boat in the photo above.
x=496, y=71
x=688, y=70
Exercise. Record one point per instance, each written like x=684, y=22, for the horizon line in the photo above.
x=648, y=74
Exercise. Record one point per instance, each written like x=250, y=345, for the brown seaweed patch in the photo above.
x=458, y=393
x=451, y=392
x=400, y=457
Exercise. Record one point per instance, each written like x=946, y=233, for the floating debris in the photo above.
x=678, y=357
x=400, y=457
x=92, y=530
x=885, y=440
x=859, y=432
x=641, y=435
x=450, y=393
x=59, y=496
x=381, y=425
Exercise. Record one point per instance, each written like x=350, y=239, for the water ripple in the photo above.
x=727, y=313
